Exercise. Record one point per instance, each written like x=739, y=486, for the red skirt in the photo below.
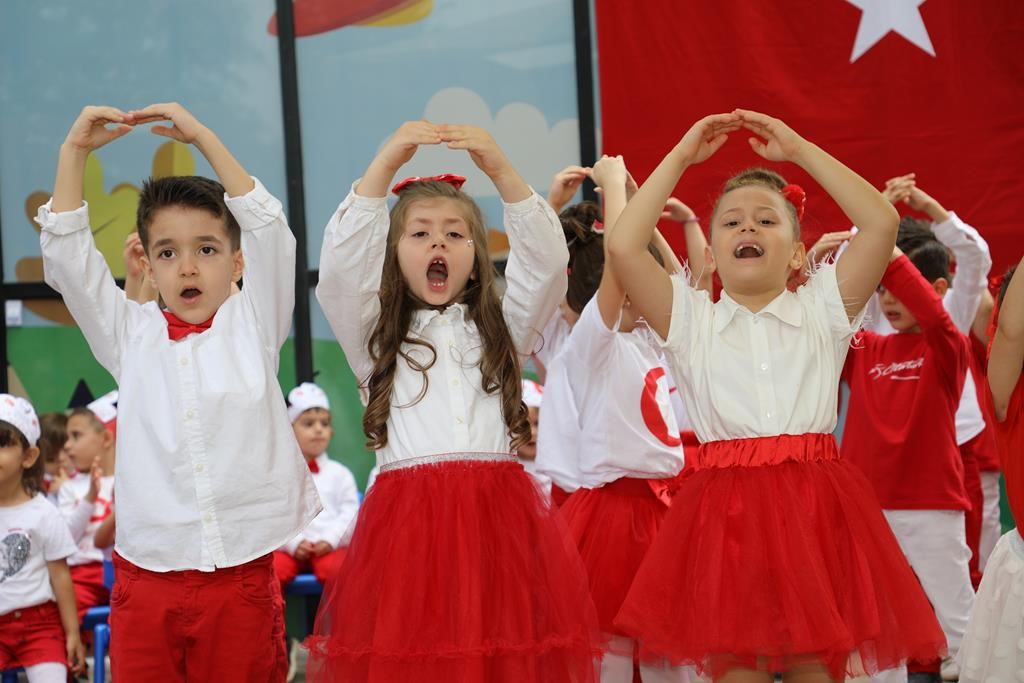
x=613, y=527
x=775, y=554
x=457, y=571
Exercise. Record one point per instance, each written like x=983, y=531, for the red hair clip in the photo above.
x=796, y=196
x=452, y=179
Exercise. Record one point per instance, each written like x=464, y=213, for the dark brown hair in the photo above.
x=193, y=192
x=53, y=428
x=760, y=177
x=499, y=364
x=586, y=252
x=32, y=478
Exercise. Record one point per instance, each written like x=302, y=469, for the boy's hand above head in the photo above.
x=90, y=132
x=185, y=127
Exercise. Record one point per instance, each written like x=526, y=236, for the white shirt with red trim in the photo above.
x=626, y=423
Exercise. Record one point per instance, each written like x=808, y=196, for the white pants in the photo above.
x=897, y=675
x=991, y=526
x=50, y=672
x=618, y=668
x=935, y=544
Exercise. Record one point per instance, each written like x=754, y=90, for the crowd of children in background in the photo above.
x=662, y=500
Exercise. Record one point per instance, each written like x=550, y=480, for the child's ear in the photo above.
x=709, y=259
x=147, y=267
x=239, y=265
x=941, y=285
x=29, y=457
x=108, y=438
x=799, y=257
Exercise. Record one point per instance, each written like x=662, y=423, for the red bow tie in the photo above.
x=179, y=329
x=313, y=466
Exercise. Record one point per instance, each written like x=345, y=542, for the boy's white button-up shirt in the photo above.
x=209, y=473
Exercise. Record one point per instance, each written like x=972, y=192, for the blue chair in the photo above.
x=95, y=620
x=310, y=589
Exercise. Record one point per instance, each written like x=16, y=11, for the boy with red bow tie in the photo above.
x=210, y=479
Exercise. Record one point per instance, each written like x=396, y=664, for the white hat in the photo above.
x=20, y=413
x=105, y=407
x=305, y=397
x=532, y=393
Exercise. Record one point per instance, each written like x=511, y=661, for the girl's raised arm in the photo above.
x=648, y=285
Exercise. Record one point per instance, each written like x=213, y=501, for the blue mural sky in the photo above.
x=507, y=67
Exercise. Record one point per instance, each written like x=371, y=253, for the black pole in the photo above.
x=585, y=88
x=296, y=188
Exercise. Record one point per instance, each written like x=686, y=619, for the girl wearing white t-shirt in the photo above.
x=775, y=555
x=38, y=622
x=629, y=442
x=458, y=569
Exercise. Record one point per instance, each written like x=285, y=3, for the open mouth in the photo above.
x=748, y=250
x=190, y=294
x=437, y=274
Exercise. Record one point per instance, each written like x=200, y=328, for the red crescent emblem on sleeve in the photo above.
x=651, y=410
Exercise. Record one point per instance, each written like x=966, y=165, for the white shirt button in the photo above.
x=207, y=518
x=768, y=414
x=189, y=415
x=183, y=361
x=456, y=382
x=764, y=367
x=199, y=467
x=757, y=321
x=459, y=420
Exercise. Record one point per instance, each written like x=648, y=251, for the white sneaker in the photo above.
x=293, y=659
x=950, y=670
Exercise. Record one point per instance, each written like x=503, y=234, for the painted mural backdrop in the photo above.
x=365, y=66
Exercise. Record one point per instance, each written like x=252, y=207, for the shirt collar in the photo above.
x=785, y=307
x=422, y=317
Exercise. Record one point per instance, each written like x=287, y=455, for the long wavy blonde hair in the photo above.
x=500, y=366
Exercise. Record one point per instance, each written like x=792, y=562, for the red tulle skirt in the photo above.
x=457, y=571
x=613, y=527
x=775, y=554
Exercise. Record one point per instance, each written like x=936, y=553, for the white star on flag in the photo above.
x=881, y=16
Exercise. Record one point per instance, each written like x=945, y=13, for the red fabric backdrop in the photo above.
x=956, y=118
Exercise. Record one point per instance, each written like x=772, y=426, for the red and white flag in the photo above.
x=887, y=86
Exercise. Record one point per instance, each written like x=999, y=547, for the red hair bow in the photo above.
x=452, y=179
x=796, y=196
